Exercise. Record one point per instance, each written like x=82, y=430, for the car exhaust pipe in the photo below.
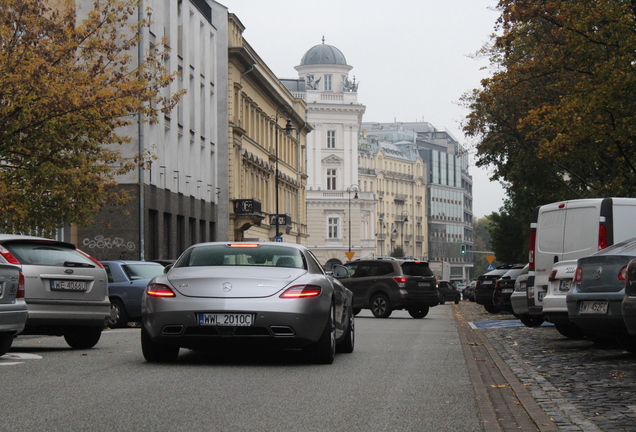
x=282, y=331
x=172, y=330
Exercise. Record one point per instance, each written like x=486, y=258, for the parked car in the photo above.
x=448, y=292
x=384, y=285
x=127, y=282
x=460, y=287
x=230, y=294
x=505, y=286
x=486, y=285
x=469, y=292
x=66, y=290
x=595, y=300
x=13, y=310
x=519, y=302
x=555, y=308
x=628, y=307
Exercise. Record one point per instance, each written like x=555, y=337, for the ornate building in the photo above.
x=267, y=149
x=340, y=214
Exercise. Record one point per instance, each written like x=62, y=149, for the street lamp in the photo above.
x=405, y=218
x=286, y=111
x=382, y=227
x=353, y=188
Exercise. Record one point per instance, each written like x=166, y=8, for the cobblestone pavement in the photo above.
x=579, y=385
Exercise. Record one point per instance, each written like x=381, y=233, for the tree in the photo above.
x=556, y=119
x=397, y=252
x=66, y=90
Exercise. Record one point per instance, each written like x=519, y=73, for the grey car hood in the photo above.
x=232, y=282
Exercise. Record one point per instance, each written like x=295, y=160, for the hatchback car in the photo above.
x=595, y=300
x=384, y=285
x=505, y=286
x=448, y=292
x=555, y=308
x=519, y=300
x=65, y=290
x=13, y=310
x=274, y=295
x=127, y=282
x=469, y=292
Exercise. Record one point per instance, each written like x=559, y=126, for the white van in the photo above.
x=569, y=230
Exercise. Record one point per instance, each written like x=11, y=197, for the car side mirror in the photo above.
x=340, y=272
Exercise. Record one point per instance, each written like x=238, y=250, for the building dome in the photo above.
x=323, y=55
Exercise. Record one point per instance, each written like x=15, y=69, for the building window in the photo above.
x=331, y=179
x=332, y=227
x=331, y=139
x=328, y=82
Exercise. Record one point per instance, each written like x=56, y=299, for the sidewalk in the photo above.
x=503, y=401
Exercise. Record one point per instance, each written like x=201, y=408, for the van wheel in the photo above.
x=570, y=331
x=83, y=337
x=420, y=312
x=493, y=309
x=380, y=306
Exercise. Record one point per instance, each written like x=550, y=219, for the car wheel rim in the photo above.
x=379, y=305
x=333, y=332
x=114, y=313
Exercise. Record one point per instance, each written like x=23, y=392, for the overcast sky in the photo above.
x=412, y=58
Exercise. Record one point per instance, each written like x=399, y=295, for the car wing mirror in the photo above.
x=340, y=272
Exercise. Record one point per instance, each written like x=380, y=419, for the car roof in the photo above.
x=128, y=262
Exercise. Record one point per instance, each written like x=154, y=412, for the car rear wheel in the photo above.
x=348, y=342
x=531, y=320
x=118, y=315
x=83, y=337
x=324, y=351
x=380, y=306
x=492, y=309
x=157, y=352
x=419, y=312
x=6, y=339
x=457, y=299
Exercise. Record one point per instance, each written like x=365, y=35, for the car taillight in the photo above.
x=622, y=275
x=159, y=290
x=533, y=240
x=8, y=256
x=20, y=293
x=401, y=281
x=301, y=291
x=602, y=237
x=97, y=263
x=552, y=276
x=578, y=275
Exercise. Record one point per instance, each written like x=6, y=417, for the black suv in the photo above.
x=386, y=284
x=448, y=292
x=505, y=287
x=486, y=285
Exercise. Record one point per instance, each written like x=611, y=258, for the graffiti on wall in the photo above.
x=101, y=242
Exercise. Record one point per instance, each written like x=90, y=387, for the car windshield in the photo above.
x=241, y=255
x=46, y=253
x=416, y=269
x=142, y=271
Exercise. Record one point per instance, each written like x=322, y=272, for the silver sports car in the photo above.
x=228, y=294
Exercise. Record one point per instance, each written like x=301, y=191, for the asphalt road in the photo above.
x=404, y=375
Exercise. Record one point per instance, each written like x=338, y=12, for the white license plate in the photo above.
x=424, y=284
x=226, y=319
x=60, y=285
x=506, y=291
x=486, y=282
x=565, y=285
x=593, y=307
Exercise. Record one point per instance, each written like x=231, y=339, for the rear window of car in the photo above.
x=142, y=271
x=416, y=269
x=241, y=255
x=46, y=254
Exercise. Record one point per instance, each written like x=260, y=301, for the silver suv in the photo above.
x=386, y=284
x=66, y=291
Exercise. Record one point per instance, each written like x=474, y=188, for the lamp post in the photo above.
x=353, y=188
x=283, y=110
x=382, y=227
x=405, y=218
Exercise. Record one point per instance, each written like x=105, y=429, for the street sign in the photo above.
x=490, y=267
x=279, y=239
x=350, y=255
x=490, y=258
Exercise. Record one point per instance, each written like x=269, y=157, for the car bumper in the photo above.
x=43, y=313
x=175, y=321
x=610, y=323
x=555, y=308
x=483, y=297
x=519, y=302
x=13, y=317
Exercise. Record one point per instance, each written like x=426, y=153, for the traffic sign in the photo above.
x=350, y=255
x=490, y=267
x=279, y=239
x=490, y=258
